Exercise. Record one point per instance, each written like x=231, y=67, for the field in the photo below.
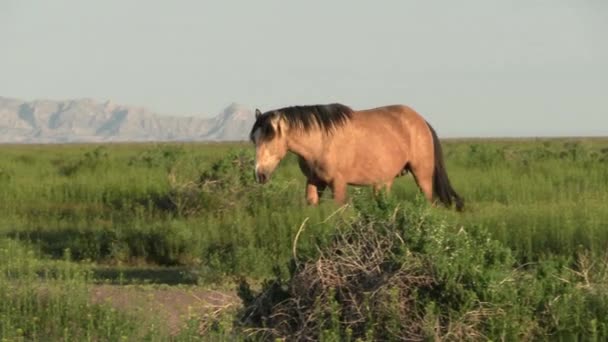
x=176, y=242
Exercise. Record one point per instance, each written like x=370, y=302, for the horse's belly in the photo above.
x=373, y=154
x=375, y=169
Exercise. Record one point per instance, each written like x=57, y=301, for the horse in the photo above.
x=337, y=146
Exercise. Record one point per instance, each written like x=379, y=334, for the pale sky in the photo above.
x=472, y=68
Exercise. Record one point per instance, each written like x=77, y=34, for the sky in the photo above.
x=471, y=68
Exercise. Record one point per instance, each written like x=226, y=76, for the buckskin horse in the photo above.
x=338, y=146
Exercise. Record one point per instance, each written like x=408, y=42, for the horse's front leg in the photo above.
x=314, y=190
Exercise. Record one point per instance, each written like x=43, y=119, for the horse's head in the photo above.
x=269, y=136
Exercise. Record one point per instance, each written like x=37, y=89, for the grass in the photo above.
x=45, y=298
x=120, y=208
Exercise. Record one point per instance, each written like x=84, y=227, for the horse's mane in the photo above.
x=305, y=118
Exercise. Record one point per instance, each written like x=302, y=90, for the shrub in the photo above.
x=162, y=156
x=392, y=273
x=90, y=160
x=220, y=187
x=404, y=273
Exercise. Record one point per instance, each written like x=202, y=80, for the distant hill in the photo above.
x=85, y=120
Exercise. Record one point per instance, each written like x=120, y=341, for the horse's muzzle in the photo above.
x=261, y=177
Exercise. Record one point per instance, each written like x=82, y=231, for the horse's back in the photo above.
x=399, y=120
x=394, y=114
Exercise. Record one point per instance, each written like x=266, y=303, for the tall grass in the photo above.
x=192, y=204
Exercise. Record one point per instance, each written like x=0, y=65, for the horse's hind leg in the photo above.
x=314, y=190
x=380, y=186
x=338, y=188
x=423, y=174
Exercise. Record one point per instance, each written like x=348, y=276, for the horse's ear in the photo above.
x=257, y=113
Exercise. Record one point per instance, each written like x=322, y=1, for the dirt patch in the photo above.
x=172, y=305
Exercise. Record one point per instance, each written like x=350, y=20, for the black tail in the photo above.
x=441, y=184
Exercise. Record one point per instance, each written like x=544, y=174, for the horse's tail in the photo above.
x=441, y=183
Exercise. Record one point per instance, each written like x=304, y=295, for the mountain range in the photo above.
x=86, y=120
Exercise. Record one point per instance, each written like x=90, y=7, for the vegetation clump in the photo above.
x=89, y=161
x=219, y=187
x=403, y=273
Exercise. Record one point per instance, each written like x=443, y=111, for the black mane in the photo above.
x=305, y=118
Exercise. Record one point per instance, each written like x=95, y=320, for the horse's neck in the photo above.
x=306, y=145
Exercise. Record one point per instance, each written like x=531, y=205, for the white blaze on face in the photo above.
x=256, y=138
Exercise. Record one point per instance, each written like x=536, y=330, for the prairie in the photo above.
x=75, y=219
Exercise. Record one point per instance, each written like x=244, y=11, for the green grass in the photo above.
x=44, y=299
x=195, y=207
